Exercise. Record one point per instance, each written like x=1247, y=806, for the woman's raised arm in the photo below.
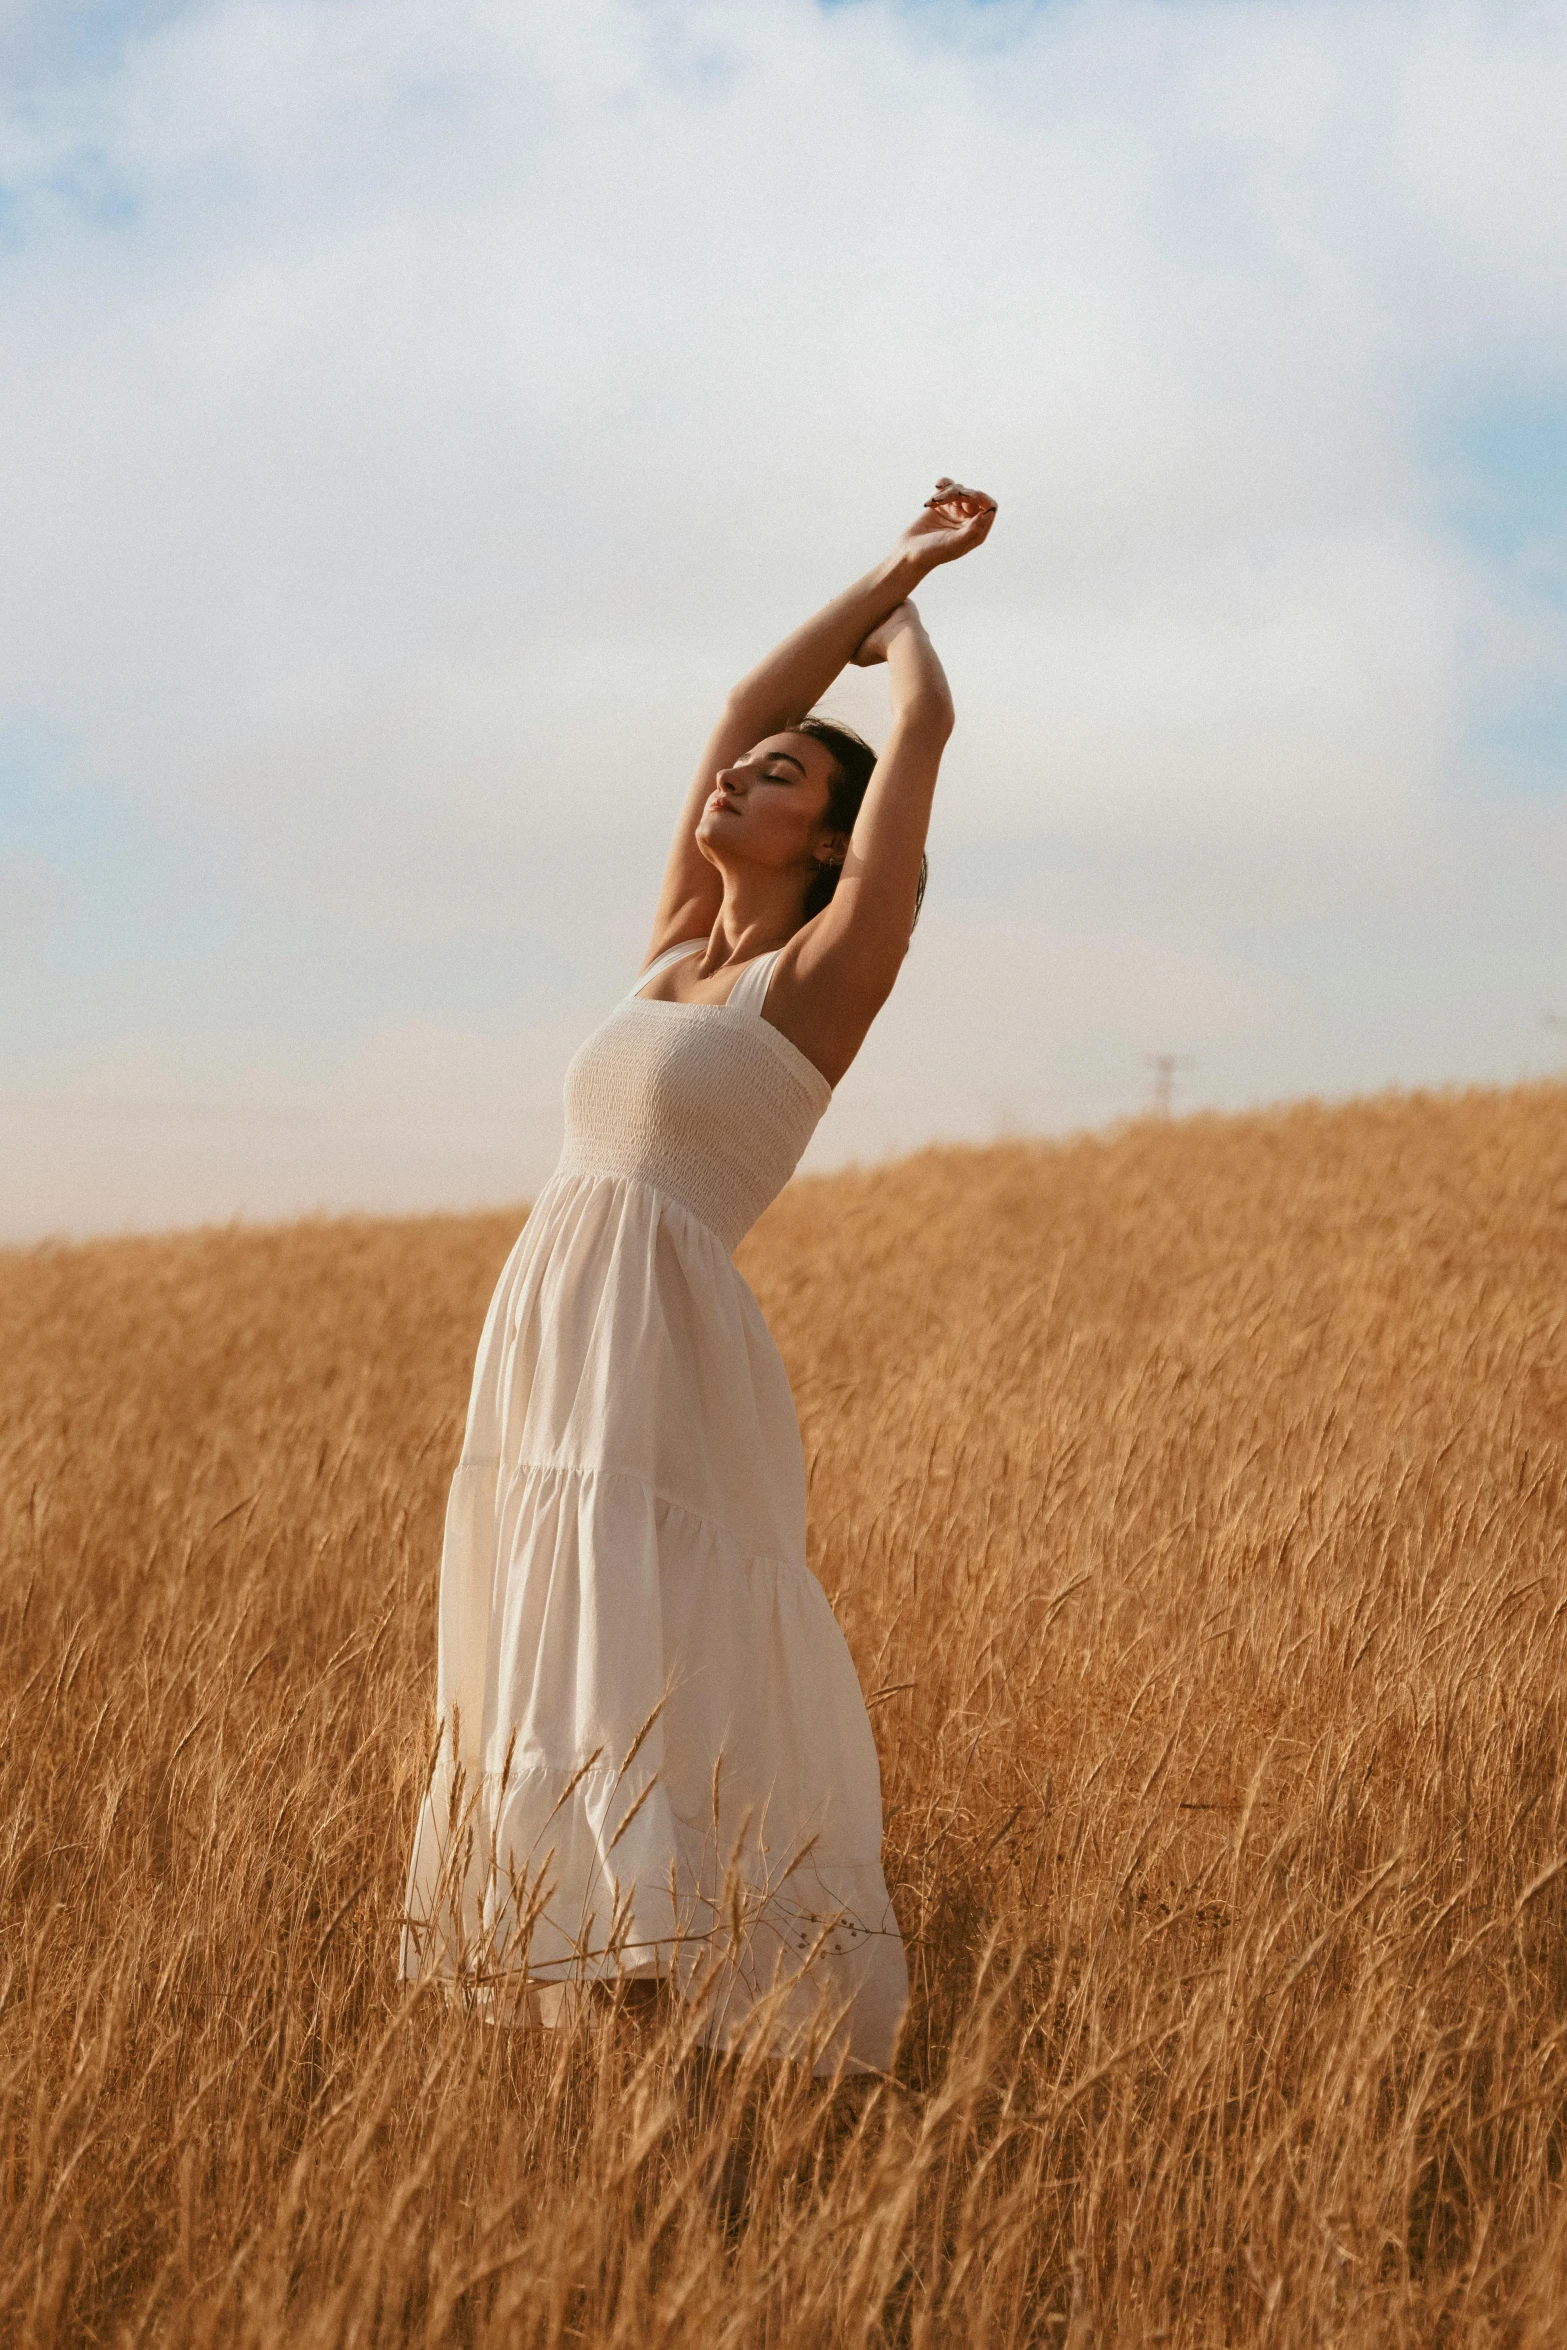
x=832, y=986
x=781, y=689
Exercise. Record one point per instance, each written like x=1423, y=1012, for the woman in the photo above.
x=655, y=1759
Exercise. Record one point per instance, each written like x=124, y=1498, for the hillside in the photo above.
x=1194, y=1501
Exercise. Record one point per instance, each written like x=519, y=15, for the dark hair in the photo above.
x=853, y=761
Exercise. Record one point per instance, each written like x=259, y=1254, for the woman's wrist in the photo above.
x=899, y=574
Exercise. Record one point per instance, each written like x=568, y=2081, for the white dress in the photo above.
x=655, y=1755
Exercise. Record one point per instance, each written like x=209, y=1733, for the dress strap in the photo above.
x=687, y=946
x=749, y=992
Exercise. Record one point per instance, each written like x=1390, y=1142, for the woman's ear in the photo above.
x=832, y=848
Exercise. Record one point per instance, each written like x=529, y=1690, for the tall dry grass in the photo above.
x=1194, y=1503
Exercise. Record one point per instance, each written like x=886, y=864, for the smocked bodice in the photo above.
x=707, y=1103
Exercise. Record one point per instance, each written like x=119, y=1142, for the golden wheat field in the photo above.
x=1194, y=1501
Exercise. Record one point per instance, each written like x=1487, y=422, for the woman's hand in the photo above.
x=876, y=646
x=952, y=523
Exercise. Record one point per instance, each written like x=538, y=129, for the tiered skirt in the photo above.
x=654, y=1755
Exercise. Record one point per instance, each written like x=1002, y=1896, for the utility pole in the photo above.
x=1164, y=1066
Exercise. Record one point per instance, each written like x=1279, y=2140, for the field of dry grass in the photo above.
x=1194, y=1503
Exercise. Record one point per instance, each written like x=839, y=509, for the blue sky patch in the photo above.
x=1509, y=498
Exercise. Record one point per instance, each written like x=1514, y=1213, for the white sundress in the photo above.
x=655, y=1756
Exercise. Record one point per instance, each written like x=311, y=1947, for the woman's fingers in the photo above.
x=954, y=499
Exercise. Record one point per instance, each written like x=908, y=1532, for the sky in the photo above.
x=417, y=412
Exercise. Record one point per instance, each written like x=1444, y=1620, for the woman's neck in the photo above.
x=760, y=911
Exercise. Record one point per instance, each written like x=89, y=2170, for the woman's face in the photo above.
x=770, y=807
